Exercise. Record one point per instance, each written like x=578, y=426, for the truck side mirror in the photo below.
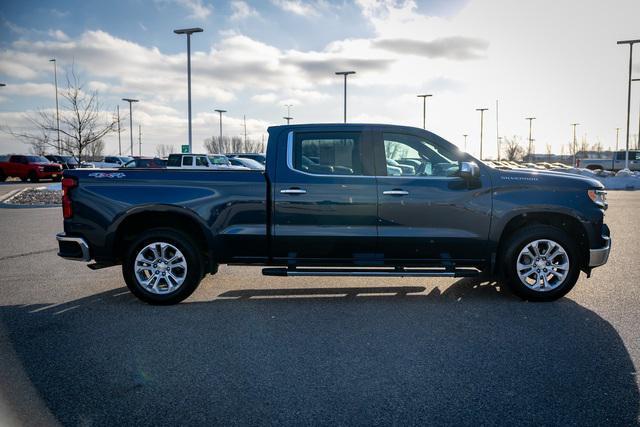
x=469, y=170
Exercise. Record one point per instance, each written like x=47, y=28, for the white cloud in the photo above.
x=58, y=35
x=265, y=98
x=198, y=9
x=241, y=10
x=298, y=7
x=59, y=13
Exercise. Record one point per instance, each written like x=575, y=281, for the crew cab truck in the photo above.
x=615, y=163
x=32, y=168
x=327, y=206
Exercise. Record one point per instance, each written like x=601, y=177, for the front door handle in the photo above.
x=395, y=193
x=293, y=191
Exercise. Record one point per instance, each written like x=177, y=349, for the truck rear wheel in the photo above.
x=33, y=177
x=541, y=263
x=162, y=266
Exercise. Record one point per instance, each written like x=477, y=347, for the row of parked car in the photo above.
x=509, y=164
x=35, y=168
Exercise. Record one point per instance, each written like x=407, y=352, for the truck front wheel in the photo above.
x=541, y=263
x=162, y=266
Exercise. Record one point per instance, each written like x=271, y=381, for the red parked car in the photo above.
x=32, y=168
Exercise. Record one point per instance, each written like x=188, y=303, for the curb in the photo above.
x=13, y=193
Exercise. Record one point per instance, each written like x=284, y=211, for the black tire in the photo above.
x=57, y=179
x=33, y=177
x=525, y=236
x=3, y=177
x=182, y=242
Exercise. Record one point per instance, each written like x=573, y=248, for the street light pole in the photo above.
x=220, y=112
x=638, y=140
x=188, y=32
x=465, y=142
x=288, y=117
x=498, y=132
x=55, y=79
x=130, y=101
x=531, y=119
x=482, y=110
x=345, y=74
x=424, y=109
x=630, y=43
x=119, y=139
x=574, y=142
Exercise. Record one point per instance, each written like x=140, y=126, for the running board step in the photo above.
x=371, y=272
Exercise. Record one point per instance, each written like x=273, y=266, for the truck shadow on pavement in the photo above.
x=371, y=355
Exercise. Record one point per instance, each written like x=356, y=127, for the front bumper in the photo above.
x=598, y=257
x=74, y=248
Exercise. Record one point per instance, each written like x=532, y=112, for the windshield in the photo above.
x=219, y=160
x=37, y=159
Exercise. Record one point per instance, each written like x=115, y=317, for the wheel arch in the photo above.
x=569, y=223
x=147, y=217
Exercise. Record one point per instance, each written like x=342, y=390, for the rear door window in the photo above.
x=202, y=161
x=328, y=153
x=187, y=161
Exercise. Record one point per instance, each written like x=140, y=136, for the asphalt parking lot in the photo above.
x=78, y=349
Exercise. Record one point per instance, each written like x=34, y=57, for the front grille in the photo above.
x=52, y=169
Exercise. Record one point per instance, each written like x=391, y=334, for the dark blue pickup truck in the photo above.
x=339, y=200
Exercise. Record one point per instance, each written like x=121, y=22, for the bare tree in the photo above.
x=235, y=144
x=82, y=122
x=549, y=152
x=597, y=147
x=513, y=150
x=584, y=146
x=163, y=150
x=39, y=144
x=95, y=150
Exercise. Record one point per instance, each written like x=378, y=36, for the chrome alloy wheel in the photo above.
x=160, y=268
x=542, y=265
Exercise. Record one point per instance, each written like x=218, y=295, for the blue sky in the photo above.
x=555, y=60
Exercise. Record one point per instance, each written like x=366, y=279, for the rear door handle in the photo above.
x=395, y=193
x=293, y=191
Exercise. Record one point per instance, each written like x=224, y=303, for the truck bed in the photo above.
x=230, y=204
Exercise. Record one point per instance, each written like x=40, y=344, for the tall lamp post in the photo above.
x=617, y=135
x=482, y=110
x=188, y=32
x=288, y=117
x=531, y=119
x=638, y=140
x=345, y=74
x=55, y=80
x=630, y=43
x=424, y=109
x=220, y=112
x=131, y=101
x=575, y=142
x=465, y=142
x=119, y=139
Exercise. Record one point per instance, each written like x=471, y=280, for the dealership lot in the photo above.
x=76, y=347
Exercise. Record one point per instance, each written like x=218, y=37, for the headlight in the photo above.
x=599, y=197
